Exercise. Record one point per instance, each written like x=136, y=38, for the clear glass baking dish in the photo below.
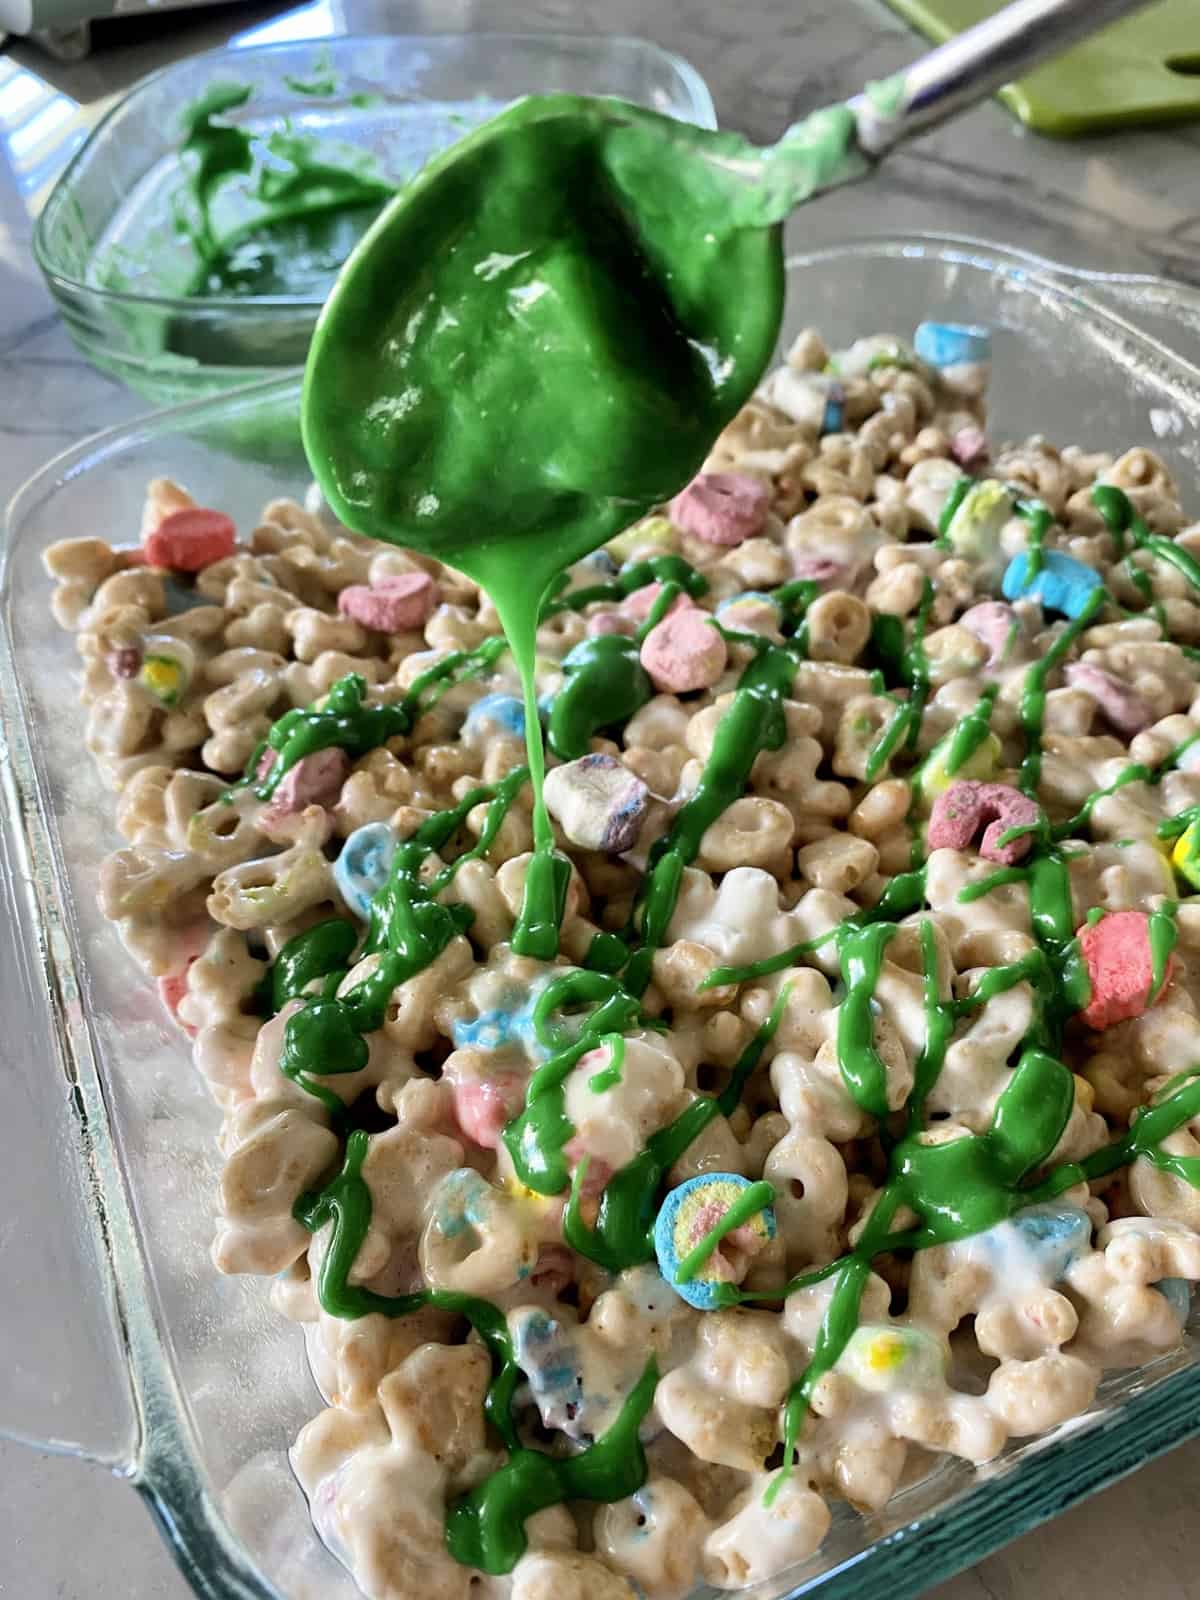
x=119, y=268
x=118, y=1340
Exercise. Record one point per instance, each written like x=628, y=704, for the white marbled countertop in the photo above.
x=1127, y=203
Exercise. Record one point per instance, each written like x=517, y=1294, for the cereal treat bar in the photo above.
x=857, y=1120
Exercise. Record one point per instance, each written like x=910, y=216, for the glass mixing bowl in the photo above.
x=118, y=267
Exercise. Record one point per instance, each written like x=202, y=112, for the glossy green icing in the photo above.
x=315, y=953
x=1033, y=690
x=1122, y=521
x=409, y=928
x=604, y=684
x=861, y=952
x=486, y=1527
x=623, y=1232
x=754, y=723
x=343, y=720
x=633, y=575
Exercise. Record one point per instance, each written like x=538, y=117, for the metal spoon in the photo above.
x=967, y=68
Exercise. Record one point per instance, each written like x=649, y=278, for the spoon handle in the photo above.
x=970, y=66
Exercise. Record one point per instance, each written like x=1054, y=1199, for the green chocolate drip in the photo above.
x=1039, y=519
x=959, y=491
x=1163, y=933
x=318, y=952
x=486, y=1527
x=345, y=1202
x=623, y=1233
x=605, y=683
x=957, y=747
x=604, y=680
x=610, y=1076
x=1149, y=1128
x=909, y=662
x=633, y=576
x=754, y=723
x=905, y=892
x=537, y=1137
x=1033, y=690
x=794, y=599
x=1116, y=508
x=860, y=951
x=409, y=929
x=344, y=721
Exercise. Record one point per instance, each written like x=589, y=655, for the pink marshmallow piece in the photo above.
x=684, y=652
x=603, y=622
x=189, y=541
x=969, y=447
x=818, y=569
x=483, y=1106
x=992, y=623
x=125, y=662
x=638, y=605
x=394, y=605
x=171, y=991
x=312, y=781
x=1120, y=703
x=1120, y=966
x=730, y=1260
x=598, y=1170
x=722, y=507
x=966, y=807
x=554, y=1268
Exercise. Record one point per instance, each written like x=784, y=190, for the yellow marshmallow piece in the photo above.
x=885, y=1353
x=163, y=678
x=1186, y=855
x=651, y=531
x=933, y=779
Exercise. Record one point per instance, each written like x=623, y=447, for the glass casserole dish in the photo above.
x=129, y=1348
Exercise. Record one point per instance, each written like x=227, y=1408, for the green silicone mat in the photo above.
x=1144, y=69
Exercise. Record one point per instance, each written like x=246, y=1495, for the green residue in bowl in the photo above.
x=295, y=257
x=310, y=200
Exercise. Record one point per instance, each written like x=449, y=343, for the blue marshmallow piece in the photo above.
x=1061, y=583
x=180, y=596
x=1178, y=1292
x=501, y=710
x=362, y=868
x=834, y=419
x=598, y=562
x=1055, y=1233
x=952, y=344
x=688, y=1215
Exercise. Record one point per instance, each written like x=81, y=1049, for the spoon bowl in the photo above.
x=541, y=336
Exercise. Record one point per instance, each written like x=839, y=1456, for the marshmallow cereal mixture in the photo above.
x=857, y=1120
